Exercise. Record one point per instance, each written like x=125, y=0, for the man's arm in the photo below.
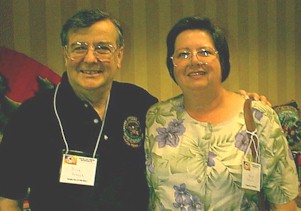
x=255, y=96
x=9, y=205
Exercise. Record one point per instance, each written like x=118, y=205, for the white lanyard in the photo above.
x=256, y=146
x=61, y=126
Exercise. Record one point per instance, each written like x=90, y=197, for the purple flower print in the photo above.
x=164, y=137
x=180, y=204
x=242, y=141
x=176, y=126
x=170, y=135
x=180, y=191
x=184, y=200
x=194, y=203
x=177, y=107
x=181, y=194
x=211, y=162
x=258, y=114
x=149, y=163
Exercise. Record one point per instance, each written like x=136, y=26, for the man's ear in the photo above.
x=65, y=55
x=120, y=57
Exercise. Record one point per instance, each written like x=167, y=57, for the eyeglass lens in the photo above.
x=79, y=50
x=182, y=57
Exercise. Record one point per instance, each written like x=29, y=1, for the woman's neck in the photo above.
x=204, y=101
x=213, y=107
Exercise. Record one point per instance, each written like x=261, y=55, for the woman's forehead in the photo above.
x=194, y=37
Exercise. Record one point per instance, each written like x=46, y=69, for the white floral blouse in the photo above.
x=194, y=165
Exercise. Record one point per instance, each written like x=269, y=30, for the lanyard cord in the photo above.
x=251, y=131
x=253, y=136
x=61, y=126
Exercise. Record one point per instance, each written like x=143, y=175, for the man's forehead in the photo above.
x=101, y=31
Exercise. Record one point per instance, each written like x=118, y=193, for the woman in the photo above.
x=197, y=142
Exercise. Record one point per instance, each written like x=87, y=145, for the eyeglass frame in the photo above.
x=195, y=53
x=81, y=55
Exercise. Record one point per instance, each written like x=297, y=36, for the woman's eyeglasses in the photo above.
x=183, y=57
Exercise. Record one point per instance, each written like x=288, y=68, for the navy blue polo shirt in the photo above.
x=31, y=150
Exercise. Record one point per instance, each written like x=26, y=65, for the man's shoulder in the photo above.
x=37, y=101
x=130, y=90
x=126, y=86
x=131, y=96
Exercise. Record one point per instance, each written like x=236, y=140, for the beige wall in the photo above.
x=264, y=38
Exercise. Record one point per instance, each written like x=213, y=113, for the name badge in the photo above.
x=78, y=170
x=251, y=173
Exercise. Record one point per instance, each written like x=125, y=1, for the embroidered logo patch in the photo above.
x=132, y=133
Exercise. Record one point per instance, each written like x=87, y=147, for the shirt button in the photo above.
x=95, y=121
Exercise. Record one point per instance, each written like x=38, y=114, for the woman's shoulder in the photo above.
x=263, y=108
x=264, y=114
x=176, y=101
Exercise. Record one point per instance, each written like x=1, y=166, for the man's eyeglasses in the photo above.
x=78, y=50
x=183, y=57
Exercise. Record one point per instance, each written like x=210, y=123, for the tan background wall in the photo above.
x=264, y=38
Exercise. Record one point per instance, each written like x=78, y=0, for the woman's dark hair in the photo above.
x=86, y=18
x=216, y=33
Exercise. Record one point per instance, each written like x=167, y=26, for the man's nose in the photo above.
x=90, y=56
